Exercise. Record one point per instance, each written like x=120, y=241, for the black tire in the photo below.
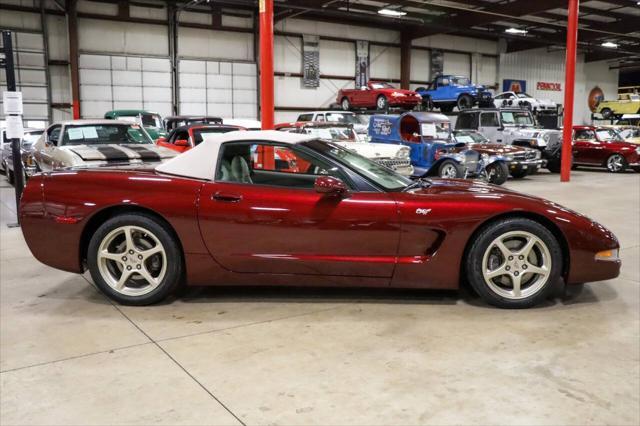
x=554, y=165
x=481, y=244
x=427, y=104
x=381, y=103
x=607, y=113
x=616, y=163
x=446, y=168
x=519, y=174
x=345, y=104
x=173, y=258
x=447, y=108
x=497, y=172
x=464, y=102
x=526, y=105
x=10, y=177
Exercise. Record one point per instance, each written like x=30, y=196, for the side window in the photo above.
x=502, y=96
x=305, y=117
x=53, y=135
x=275, y=165
x=181, y=135
x=467, y=121
x=489, y=119
x=585, y=135
x=320, y=117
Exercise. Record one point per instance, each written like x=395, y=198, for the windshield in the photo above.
x=440, y=130
x=523, y=95
x=460, y=81
x=469, y=137
x=338, y=117
x=200, y=135
x=151, y=120
x=30, y=138
x=381, y=86
x=339, y=134
x=630, y=133
x=519, y=118
x=607, y=135
x=103, y=134
x=382, y=176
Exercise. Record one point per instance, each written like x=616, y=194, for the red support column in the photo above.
x=266, y=63
x=569, y=83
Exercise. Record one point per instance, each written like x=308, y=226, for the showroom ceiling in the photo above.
x=523, y=24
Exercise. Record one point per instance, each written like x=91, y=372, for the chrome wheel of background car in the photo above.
x=606, y=113
x=516, y=265
x=132, y=260
x=448, y=171
x=616, y=163
x=345, y=104
x=381, y=102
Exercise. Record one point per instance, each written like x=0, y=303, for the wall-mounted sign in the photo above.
x=596, y=95
x=14, y=127
x=509, y=85
x=362, y=63
x=12, y=103
x=553, y=87
x=311, y=60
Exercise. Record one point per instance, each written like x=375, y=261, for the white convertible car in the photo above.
x=93, y=143
x=524, y=100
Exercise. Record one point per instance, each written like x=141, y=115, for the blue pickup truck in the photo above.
x=448, y=91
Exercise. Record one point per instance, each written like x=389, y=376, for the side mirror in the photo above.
x=330, y=185
x=161, y=139
x=181, y=142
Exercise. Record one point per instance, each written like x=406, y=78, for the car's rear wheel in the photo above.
x=607, y=113
x=616, y=163
x=346, y=106
x=497, y=173
x=514, y=263
x=134, y=259
x=10, y=176
x=449, y=169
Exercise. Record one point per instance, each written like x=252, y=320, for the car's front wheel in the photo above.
x=381, y=103
x=514, y=263
x=607, y=113
x=346, y=106
x=616, y=163
x=450, y=169
x=464, y=102
x=497, y=173
x=134, y=259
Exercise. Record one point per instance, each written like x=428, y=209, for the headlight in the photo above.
x=613, y=254
x=509, y=157
x=403, y=153
x=29, y=161
x=533, y=142
x=546, y=137
x=397, y=94
x=638, y=150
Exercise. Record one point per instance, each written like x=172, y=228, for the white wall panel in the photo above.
x=337, y=57
x=287, y=54
x=457, y=64
x=463, y=44
x=420, y=66
x=384, y=62
x=289, y=93
x=96, y=7
x=225, y=89
x=57, y=37
x=487, y=70
x=19, y=20
x=122, y=37
x=303, y=26
x=148, y=12
x=198, y=43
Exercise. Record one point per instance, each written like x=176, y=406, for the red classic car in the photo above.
x=378, y=95
x=186, y=137
x=604, y=147
x=212, y=216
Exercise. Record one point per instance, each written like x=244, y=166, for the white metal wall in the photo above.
x=457, y=64
x=30, y=72
x=226, y=89
x=124, y=82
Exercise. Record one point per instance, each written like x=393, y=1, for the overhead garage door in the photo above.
x=31, y=78
x=225, y=89
x=110, y=82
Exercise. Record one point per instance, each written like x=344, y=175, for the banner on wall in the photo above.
x=362, y=63
x=596, y=95
x=545, y=85
x=437, y=63
x=310, y=61
x=510, y=85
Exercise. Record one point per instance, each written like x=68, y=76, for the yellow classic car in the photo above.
x=627, y=103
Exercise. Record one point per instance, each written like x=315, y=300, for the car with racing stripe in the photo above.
x=94, y=143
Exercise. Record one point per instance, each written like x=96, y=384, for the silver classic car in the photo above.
x=93, y=143
x=26, y=148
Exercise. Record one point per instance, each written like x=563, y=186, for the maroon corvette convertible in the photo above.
x=279, y=208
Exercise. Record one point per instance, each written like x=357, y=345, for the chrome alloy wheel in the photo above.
x=449, y=171
x=516, y=265
x=615, y=163
x=132, y=260
x=381, y=103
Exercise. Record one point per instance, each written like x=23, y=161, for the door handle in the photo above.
x=228, y=198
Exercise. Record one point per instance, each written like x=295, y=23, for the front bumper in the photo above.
x=404, y=102
x=531, y=166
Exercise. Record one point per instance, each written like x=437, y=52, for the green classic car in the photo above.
x=627, y=103
x=151, y=121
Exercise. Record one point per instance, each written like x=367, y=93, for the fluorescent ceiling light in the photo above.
x=391, y=12
x=515, y=31
x=609, y=44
